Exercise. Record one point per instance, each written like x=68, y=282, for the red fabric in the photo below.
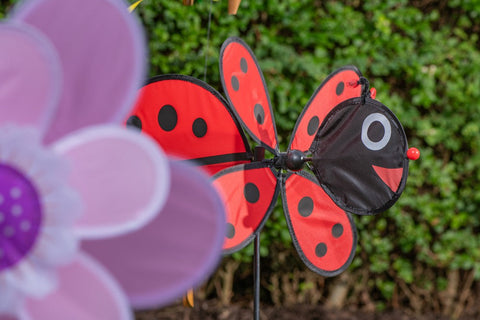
x=322, y=102
x=318, y=227
x=246, y=217
x=391, y=176
x=251, y=91
x=190, y=101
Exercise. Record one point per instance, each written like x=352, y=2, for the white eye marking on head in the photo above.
x=372, y=145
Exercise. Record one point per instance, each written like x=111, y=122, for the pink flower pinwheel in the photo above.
x=93, y=217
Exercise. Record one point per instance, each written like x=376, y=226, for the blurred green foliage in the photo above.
x=423, y=57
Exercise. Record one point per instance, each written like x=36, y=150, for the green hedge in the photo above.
x=423, y=58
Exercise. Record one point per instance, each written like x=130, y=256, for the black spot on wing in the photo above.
x=134, y=122
x=167, y=117
x=305, y=206
x=230, y=233
x=313, y=125
x=235, y=83
x=243, y=65
x=199, y=127
x=259, y=113
x=251, y=192
x=321, y=249
x=337, y=230
x=340, y=88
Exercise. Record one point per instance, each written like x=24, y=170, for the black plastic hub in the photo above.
x=292, y=160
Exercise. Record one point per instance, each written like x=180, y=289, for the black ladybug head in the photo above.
x=359, y=156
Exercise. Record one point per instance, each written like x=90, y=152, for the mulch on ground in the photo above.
x=211, y=310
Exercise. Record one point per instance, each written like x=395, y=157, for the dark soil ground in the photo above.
x=210, y=310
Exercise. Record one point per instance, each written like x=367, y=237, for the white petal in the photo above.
x=63, y=206
x=9, y=298
x=30, y=279
x=55, y=246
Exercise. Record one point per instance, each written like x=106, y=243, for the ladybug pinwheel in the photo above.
x=355, y=147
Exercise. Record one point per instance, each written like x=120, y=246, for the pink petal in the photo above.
x=30, y=73
x=174, y=252
x=122, y=177
x=102, y=51
x=86, y=292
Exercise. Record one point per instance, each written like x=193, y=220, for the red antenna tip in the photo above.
x=413, y=154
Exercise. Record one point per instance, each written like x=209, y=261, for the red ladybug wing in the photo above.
x=323, y=234
x=190, y=120
x=245, y=88
x=339, y=86
x=249, y=193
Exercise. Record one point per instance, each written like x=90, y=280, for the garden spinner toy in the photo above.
x=355, y=147
x=93, y=217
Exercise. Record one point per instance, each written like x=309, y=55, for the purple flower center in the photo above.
x=20, y=216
